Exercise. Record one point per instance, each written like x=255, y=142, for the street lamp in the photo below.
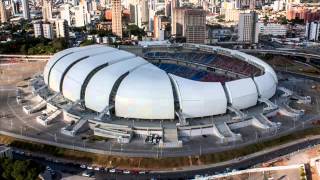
x=110, y=148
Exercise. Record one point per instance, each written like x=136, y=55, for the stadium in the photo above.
x=162, y=92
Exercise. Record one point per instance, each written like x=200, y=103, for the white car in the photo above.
x=83, y=166
x=126, y=172
x=142, y=172
x=90, y=167
x=87, y=174
x=96, y=169
x=112, y=170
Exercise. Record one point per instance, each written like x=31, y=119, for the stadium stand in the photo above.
x=193, y=74
x=219, y=61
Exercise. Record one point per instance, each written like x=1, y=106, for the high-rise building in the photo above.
x=37, y=28
x=272, y=29
x=26, y=10
x=174, y=4
x=43, y=30
x=190, y=23
x=144, y=12
x=167, y=8
x=47, y=30
x=14, y=8
x=46, y=10
x=160, y=24
x=252, y=4
x=134, y=11
x=117, y=18
x=303, y=12
x=313, y=31
x=3, y=12
x=81, y=15
x=62, y=29
x=139, y=12
x=154, y=7
x=288, y=3
x=247, y=27
x=65, y=14
x=230, y=11
x=77, y=16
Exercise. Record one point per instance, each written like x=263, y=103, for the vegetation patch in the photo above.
x=19, y=169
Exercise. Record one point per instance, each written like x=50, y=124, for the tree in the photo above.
x=19, y=169
x=135, y=30
x=221, y=18
x=59, y=44
x=266, y=19
x=282, y=20
x=86, y=42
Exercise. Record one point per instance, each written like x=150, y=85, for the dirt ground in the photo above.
x=292, y=174
x=19, y=71
x=298, y=158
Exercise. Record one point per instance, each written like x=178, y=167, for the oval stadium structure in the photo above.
x=202, y=82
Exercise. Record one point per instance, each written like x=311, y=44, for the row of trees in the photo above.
x=33, y=45
x=19, y=169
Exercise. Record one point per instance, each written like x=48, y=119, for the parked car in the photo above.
x=88, y=174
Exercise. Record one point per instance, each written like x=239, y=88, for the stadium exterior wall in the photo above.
x=141, y=90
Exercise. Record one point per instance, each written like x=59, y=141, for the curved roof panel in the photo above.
x=78, y=74
x=266, y=85
x=100, y=86
x=198, y=99
x=146, y=93
x=63, y=65
x=242, y=93
x=56, y=57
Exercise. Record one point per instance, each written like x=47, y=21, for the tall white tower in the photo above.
x=25, y=8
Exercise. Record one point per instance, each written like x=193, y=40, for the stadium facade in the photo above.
x=125, y=85
x=162, y=93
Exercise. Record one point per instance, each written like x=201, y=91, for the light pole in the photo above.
x=110, y=148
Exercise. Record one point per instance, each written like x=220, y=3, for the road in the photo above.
x=282, y=52
x=239, y=164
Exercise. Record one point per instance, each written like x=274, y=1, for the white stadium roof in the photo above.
x=198, y=99
x=242, y=93
x=100, y=86
x=145, y=93
x=77, y=75
x=102, y=76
